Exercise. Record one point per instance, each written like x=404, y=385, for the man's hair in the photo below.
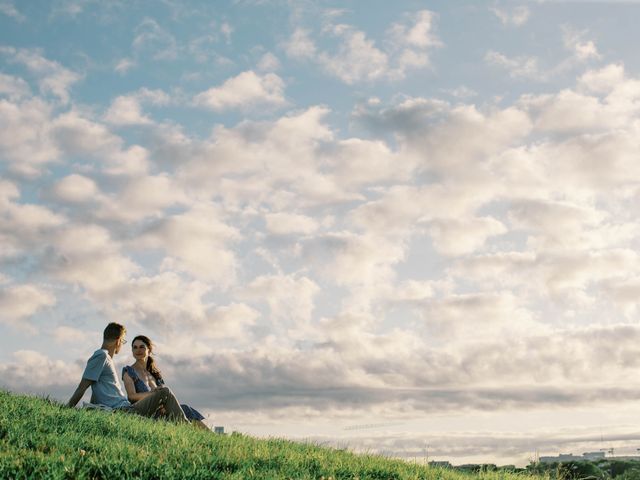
x=113, y=331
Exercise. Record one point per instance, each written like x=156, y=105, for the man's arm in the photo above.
x=77, y=395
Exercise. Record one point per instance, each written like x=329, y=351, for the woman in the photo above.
x=144, y=376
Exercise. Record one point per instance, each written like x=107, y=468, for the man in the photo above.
x=100, y=375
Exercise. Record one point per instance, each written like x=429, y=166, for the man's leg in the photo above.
x=161, y=398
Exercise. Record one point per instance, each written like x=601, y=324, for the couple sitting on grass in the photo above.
x=146, y=393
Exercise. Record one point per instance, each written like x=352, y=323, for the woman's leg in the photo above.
x=163, y=401
x=200, y=424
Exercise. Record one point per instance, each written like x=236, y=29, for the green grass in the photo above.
x=42, y=439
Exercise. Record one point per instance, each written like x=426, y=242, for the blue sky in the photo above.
x=414, y=216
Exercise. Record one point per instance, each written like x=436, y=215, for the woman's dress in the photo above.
x=141, y=387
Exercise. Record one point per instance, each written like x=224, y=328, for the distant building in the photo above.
x=440, y=464
x=593, y=455
x=219, y=430
x=570, y=457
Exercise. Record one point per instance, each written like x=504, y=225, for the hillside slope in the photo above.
x=41, y=439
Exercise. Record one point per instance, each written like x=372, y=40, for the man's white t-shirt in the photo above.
x=107, y=389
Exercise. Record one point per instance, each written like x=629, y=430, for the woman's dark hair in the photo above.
x=151, y=363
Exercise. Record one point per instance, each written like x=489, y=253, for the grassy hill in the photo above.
x=42, y=439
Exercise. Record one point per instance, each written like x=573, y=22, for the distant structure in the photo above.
x=219, y=430
x=587, y=456
x=441, y=464
x=570, y=457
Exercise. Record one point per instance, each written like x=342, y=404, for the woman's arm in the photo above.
x=131, y=389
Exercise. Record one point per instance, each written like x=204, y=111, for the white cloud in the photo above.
x=568, y=111
x=19, y=302
x=419, y=33
x=70, y=8
x=351, y=259
x=142, y=197
x=196, y=243
x=166, y=300
x=429, y=132
x=258, y=162
x=124, y=65
x=554, y=224
x=519, y=271
x=527, y=66
x=355, y=162
x=204, y=51
x=582, y=49
x=484, y=134
x=516, y=16
x=75, y=188
x=268, y=63
x=9, y=9
x=568, y=278
x=290, y=298
x=32, y=371
x=65, y=335
x=13, y=87
x=245, y=91
x=412, y=41
x=87, y=255
x=151, y=39
x=487, y=314
x=230, y=321
x=53, y=78
x=126, y=109
x=462, y=92
x=226, y=29
x=25, y=136
x=132, y=162
x=358, y=58
x=398, y=210
x=408, y=115
x=24, y=226
x=413, y=291
x=154, y=97
x=603, y=80
x=518, y=67
x=577, y=164
x=300, y=45
x=404, y=209
x=604, y=100
x=454, y=237
x=624, y=293
x=290, y=223
x=78, y=135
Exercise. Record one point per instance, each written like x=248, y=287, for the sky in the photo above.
x=400, y=227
